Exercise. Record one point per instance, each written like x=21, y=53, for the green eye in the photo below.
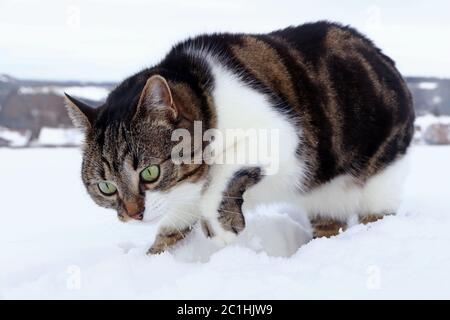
x=107, y=188
x=150, y=174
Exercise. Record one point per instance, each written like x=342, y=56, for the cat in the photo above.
x=342, y=111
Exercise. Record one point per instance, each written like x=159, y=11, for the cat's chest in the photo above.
x=270, y=138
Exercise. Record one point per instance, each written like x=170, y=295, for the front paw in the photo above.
x=167, y=238
x=213, y=230
x=230, y=217
x=224, y=227
x=226, y=221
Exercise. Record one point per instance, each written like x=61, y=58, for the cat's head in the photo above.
x=127, y=154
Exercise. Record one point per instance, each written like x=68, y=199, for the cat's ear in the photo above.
x=81, y=114
x=157, y=94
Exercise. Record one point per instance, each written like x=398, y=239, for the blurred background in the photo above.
x=86, y=47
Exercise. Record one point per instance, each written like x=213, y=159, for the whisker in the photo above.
x=232, y=212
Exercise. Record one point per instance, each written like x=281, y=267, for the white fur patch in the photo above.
x=383, y=192
x=342, y=197
x=177, y=208
x=241, y=107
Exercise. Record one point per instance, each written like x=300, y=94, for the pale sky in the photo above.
x=107, y=40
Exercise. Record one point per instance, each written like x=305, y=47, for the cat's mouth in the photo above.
x=146, y=218
x=126, y=218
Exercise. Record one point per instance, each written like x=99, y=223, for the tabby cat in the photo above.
x=343, y=114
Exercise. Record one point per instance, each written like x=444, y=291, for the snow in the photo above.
x=428, y=85
x=426, y=120
x=59, y=136
x=15, y=138
x=88, y=92
x=56, y=243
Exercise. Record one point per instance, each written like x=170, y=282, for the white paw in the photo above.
x=224, y=237
x=218, y=234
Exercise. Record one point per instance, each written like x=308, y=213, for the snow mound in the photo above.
x=277, y=230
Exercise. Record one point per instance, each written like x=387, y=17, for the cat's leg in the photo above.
x=167, y=237
x=180, y=213
x=369, y=218
x=331, y=206
x=342, y=198
x=222, y=201
x=381, y=194
x=171, y=231
x=327, y=226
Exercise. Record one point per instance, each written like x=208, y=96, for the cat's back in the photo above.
x=354, y=107
x=347, y=97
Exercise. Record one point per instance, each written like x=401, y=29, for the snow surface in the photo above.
x=56, y=243
x=88, y=92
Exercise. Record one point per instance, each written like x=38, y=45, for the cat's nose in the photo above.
x=137, y=214
x=134, y=210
